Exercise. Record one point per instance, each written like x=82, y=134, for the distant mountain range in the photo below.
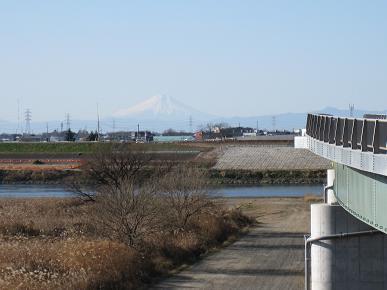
x=159, y=113
x=161, y=108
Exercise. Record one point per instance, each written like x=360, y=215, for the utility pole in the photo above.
x=138, y=131
x=47, y=139
x=97, y=123
x=61, y=126
x=257, y=126
x=28, y=118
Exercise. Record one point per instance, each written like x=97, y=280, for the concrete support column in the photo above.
x=352, y=263
x=331, y=198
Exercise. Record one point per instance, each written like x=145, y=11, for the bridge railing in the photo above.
x=367, y=135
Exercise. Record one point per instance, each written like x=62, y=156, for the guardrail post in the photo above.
x=375, y=139
x=354, y=135
x=363, y=141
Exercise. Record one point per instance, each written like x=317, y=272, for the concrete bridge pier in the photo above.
x=347, y=263
x=348, y=245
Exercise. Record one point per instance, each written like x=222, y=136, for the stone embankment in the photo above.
x=257, y=158
x=268, y=165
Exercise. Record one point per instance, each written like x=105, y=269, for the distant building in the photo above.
x=302, y=140
x=166, y=139
x=130, y=136
x=54, y=136
x=9, y=137
x=375, y=116
x=198, y=136
x=31, y=138
x=224, y=133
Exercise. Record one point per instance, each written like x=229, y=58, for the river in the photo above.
x=20, y=191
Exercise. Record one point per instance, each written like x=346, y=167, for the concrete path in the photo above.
x=271, y=256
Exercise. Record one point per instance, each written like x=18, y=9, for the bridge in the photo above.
x=347, y=248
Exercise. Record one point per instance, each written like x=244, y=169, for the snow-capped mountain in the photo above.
x=162, y=108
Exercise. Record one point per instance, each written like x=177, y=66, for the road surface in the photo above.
x=270, y=256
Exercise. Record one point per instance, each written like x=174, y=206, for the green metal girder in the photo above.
x=362, y=194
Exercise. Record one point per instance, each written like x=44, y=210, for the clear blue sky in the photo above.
x=224, y=57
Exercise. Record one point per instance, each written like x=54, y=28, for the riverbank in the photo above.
x=271, y=255
x=51, y=244
x=216, y=177
x=48, y=243
x=224, y=164
x=265, y=177
x=49, y=177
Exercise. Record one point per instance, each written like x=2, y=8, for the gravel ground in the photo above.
x=270, y=256
x=264, y=158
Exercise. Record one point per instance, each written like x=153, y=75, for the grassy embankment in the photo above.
x=216, y=177
x=268, y=177
x=89, y=147
x=57, y=244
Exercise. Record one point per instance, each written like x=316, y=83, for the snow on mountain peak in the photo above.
x=158, y=107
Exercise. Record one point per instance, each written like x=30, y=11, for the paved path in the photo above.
x=271, y=256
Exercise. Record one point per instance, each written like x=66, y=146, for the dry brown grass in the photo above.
x=312, y=198
x=56, y=244
x=43, y=263
x=51, y=244
x=45, y=216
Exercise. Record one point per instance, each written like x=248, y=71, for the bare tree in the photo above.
x=115, y=165
x=127, y=213
x=185, y=195
x=110, y=166
x=131, y=210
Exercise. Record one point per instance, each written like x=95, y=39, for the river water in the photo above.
x=29, y=190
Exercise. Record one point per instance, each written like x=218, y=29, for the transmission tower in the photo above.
x=68, y=122
x=190, y=122
x=98, y=124
x=351, y=110
x=28, y=119
x=18, y=130
x=274, y=122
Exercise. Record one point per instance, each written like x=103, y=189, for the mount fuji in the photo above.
x=162, y=107
x=162, y=112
